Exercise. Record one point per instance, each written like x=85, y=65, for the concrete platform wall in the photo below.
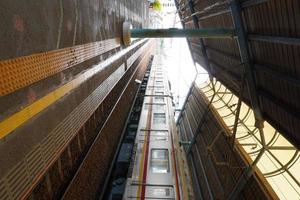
x=42, y=144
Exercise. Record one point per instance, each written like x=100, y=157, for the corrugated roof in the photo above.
x=272, y=30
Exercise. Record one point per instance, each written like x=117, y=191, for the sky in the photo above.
x=180, y=66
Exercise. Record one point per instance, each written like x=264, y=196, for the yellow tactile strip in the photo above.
x=23, y=71
x=11, y=123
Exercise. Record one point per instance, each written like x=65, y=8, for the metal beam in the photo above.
x=199, y=159
x=258, y=67
x=244, y=178
x=197, y=185
x=185, y=101
x=235, y=8
x=244, y=5
x=245, y=57
x=275, y=39
x=202, y=121
x=280, y=75
x=223, y=53
x=173, y=32
x=237, y=115
x=287, y=107
x=250, y=3
x=282, y=148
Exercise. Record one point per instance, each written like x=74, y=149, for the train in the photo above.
x=150, y=163
x=155, y=172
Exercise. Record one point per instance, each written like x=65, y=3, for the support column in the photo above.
x=245, y=56
x=250, y=80
x=206, y=112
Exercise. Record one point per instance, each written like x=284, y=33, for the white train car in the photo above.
x=154, y=172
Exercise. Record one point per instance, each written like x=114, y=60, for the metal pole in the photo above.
x=239, y=186
x=202, y=121
x=273, y=39
x=186, y=100
x=245, y=55
x=173, y=32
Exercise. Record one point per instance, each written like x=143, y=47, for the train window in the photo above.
x=156, y=106
x=154, y=192
x=159, y=107
x=159, y=99
x=156, y=86
x=160, y=139
x=146, y=106
x=159, y=160
x=160, y=154
x=160, y=135
x=158, y=192
x=158, y=82
x=159, y=118
x=157, y=135
x=159, y=93
x=159, y=89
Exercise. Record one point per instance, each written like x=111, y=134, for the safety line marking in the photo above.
x=11, y=123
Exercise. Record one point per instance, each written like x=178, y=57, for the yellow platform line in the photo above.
x=19, y=118
x=11, y=123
